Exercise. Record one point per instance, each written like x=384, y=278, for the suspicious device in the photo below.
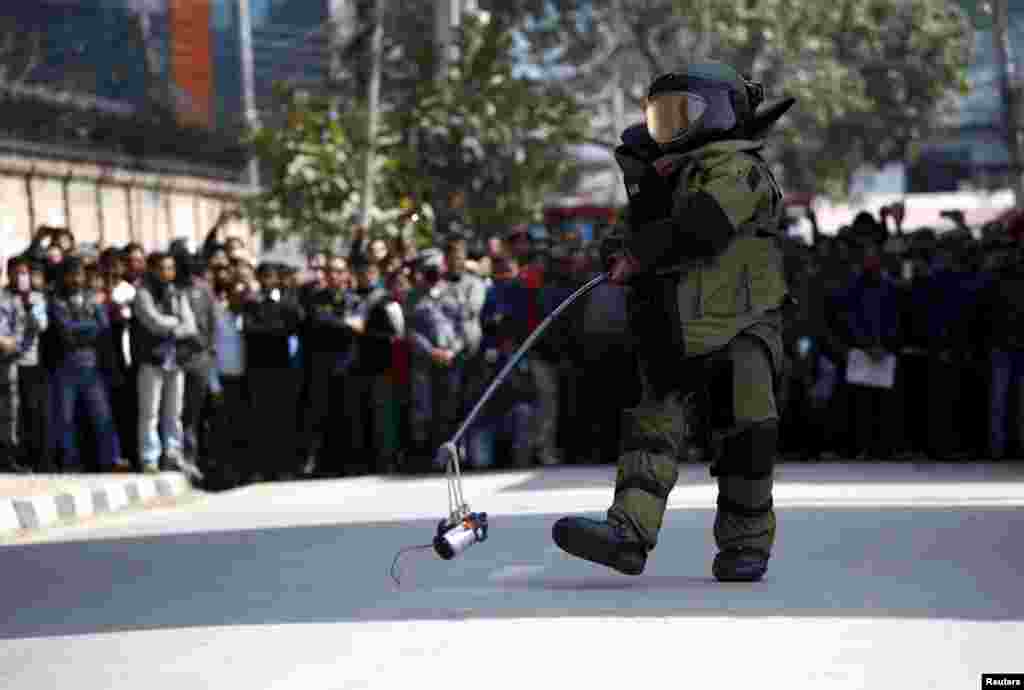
x=464, y=527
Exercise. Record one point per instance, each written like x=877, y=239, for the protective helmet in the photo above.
x=704, y=102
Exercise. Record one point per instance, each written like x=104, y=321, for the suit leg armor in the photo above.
x=745, y=447
x=725, y=403
x=654, y=440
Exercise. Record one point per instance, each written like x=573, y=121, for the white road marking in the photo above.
x=515, y=572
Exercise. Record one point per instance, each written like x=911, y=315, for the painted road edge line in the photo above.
x=36, y=512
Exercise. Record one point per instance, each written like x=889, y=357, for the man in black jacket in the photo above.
x=270, y=319
x=370, y=397
x=328, y=345
x=999, y=325
x=316, y=281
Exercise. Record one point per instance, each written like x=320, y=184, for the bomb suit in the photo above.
x=701, y=244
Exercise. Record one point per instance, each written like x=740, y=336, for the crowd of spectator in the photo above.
x=366, y=360
x=238, y=371
x=944, y=311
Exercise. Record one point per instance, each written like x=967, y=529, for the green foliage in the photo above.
x=315, y=153
x=312, y=153
x=870, y=76
x=481, y=133
x=485, y=134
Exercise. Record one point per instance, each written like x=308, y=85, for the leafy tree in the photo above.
x=315, y=154
x=481, y=134
x=870, y=76
x=486, y=135
x=308, y=155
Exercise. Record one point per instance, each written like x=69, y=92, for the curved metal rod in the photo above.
x=523, y=349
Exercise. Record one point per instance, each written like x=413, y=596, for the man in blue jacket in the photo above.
x=511, y=414
x=78, y=324
x=871, y=315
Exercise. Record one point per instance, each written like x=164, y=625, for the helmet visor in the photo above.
x=672, y=114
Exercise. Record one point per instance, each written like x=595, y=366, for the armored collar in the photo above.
x=670, y=163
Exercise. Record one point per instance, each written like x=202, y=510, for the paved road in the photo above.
x=884, y=576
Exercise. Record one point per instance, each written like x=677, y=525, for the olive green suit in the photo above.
x=708, y=333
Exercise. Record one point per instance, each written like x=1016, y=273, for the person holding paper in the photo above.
x=871, y=310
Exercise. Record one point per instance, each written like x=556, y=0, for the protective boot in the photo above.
x=647, y=471
x=608, y=542
x=745, y=521
x=740, y=565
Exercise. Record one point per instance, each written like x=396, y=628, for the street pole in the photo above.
x=373, y=97
x=344, y=20
x=619, y=115
x=248, y=84
x=1008, y=88
x=447, y=18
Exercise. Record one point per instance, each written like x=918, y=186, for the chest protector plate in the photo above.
x=697, y=307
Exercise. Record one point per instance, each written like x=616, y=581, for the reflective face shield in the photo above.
x=672, y=114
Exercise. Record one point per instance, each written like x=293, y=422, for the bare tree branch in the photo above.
x=656, y=37
x=647, y=47
x=35, y=57
x=613, y=46
x=10, y=54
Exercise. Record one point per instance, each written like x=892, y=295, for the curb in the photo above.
x=70, y=506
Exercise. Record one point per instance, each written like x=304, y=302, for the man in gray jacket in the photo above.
x=467, y=292
x=197, y=357
x=436, y=343
x=22, y=319
x=163, y=320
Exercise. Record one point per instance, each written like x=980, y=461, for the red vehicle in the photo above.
x=579, y=223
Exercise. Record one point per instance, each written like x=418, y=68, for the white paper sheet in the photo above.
x=864, y=371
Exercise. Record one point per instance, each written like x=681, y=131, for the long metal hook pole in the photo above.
x=523, y=349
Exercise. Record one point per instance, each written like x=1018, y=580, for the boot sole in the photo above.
x=588, y=547
x=749, y=575
x=739, y=578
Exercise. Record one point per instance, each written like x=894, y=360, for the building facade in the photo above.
x=972, y=151
x=122, y=116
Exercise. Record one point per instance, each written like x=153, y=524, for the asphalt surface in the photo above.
x=883, y=576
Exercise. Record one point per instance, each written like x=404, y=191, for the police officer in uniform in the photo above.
x=701, y=253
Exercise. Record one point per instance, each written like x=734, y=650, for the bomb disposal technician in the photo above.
x=700, y=252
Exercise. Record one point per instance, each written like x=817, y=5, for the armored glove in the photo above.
x=613, y=244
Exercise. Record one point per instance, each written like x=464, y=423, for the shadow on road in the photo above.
x=909, y=563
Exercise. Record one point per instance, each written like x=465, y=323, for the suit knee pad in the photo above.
x=657, y=426
x=749, y=454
